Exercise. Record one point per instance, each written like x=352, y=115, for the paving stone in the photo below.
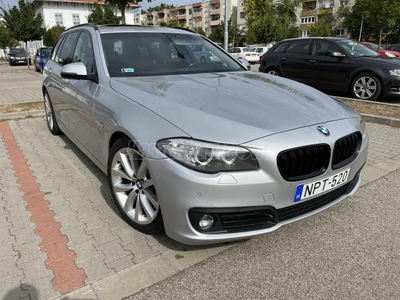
x=68, y=221
x=85, y=251
x=29, y=251
x=41, y=288
x=85, y=293
x=92, y=222
x=4, y=222
x=25, y=235
x=84, y=210
x=102, y=235
x=35, y=269
x=115, y=221
x=95, y=269
x=21, y=222
x=113, y=251
x=141, y=250
x=11, y=289
x=9, y=269
x=76, y=235
x=129, y=235
x=122, y=263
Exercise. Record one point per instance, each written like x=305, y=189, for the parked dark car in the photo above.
x=394, y=47
x=41, y=57
x=17, y=56
x=334, y=64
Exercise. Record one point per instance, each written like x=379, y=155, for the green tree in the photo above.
x=269, y=20
x=201, y=31
x=323, y=27
x=6, y=40
x=103, y=15
x=217, y=34
x=378, y=17
x=50, y=36
x=23, y=22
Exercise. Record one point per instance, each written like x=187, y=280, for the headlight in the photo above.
x=388, y=54
x=12, y=57
x=395, y=72
x=208, y=157
x=44, y=61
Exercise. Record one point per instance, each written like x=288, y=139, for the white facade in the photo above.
x=69, y=13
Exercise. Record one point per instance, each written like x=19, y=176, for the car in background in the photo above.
x=384, y=52
x=203, y=55
x=17, y=56
x=248, y=53
x=207, y=151
x=335, y=64
x=41, y=57
x=393, y=47
x=260, y=51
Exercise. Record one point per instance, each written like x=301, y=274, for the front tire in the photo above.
x=50, y=116
x=132, y=187
x=273, y=72
x=366, y=87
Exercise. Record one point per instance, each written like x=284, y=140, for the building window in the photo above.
x=305, y=33
x=339, y=32
x=242, y=15
x=75, y=19
x=59, y=19
x=307, y=20
x=241, y=3
x=343, y=3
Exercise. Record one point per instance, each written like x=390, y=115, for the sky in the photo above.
x=144, y=4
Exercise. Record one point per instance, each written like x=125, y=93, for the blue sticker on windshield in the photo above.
x=127, y=70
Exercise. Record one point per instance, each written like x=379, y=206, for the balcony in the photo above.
x=197, y=24
x=306, y=13
x=197, y=14
x=305, y=26
x=214, y=11
x=214, y=23
x=181, y=17
x=325, y=11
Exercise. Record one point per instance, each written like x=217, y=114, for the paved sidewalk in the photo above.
x=19, y=85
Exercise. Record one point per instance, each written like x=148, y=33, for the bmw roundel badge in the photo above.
x=323, y=130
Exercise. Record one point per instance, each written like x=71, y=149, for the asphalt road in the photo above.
x=351, y=251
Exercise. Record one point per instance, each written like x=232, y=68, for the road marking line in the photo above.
x=61, y=260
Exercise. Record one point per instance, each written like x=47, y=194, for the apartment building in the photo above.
x=68, y=13
x=311, y=10
x=204, y=15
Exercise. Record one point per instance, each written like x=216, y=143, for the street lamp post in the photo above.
x=226, y=26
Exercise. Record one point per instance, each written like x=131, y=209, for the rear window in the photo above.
x=18, y=51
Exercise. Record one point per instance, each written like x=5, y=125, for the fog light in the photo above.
x=206, y=222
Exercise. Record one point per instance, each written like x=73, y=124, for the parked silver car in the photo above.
x=208, y=151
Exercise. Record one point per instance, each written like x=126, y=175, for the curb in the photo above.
x=22, y=115
x=381, y=120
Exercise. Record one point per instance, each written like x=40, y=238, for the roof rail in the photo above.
x=84, y=24
x=187, y=29
x=123, y=25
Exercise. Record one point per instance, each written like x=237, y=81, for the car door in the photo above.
x=297, y=63
x=37, y=59
x=79, y=96
x=332, y=71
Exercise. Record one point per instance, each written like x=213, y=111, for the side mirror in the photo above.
x=74, y=71
x=337, y=54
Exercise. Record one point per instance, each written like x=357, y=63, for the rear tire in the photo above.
x=50, y=116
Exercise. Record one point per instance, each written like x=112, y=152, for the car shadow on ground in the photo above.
x=161, y=238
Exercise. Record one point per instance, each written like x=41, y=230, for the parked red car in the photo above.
x=383, y=52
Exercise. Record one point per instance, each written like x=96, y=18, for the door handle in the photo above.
x=283, y=58
x=312, y=61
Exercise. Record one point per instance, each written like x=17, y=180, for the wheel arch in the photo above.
x=364, y=71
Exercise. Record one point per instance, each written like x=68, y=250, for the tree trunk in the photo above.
x=122, y=8
x=27, y=54
x=380, y=38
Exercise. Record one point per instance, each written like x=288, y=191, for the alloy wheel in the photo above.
x=133, y=186
x=365, y=87
x=48, y=111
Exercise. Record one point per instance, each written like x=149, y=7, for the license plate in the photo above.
x=308, y=190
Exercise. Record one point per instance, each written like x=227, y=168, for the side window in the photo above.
x=324, y=48
x=84, y=52
x=281, y=48
x=66, y=49
x=299, y=47
x=57, y=49
x=237, y=50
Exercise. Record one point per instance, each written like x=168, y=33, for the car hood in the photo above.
x=231, y=107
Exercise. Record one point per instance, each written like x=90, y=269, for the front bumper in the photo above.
x=391, y=87
x=181, y=191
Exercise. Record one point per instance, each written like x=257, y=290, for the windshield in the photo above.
x=46, y=52
x=18, y=51
x=357, y=49
x=149, y=54
x=249, y=49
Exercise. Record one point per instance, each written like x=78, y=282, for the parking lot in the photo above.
x=63, y=238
